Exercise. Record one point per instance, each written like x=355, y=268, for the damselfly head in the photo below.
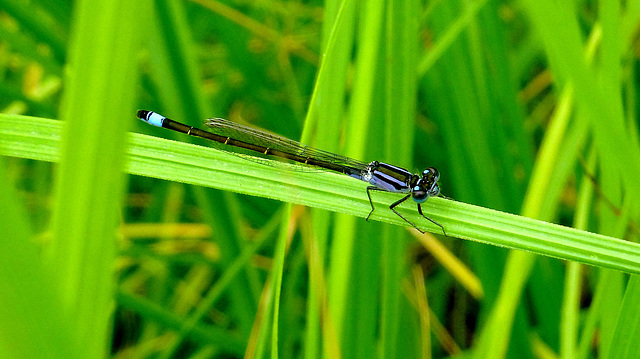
x=427, y=186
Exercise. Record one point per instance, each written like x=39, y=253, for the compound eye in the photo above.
x=419, y=195
x=431, y=173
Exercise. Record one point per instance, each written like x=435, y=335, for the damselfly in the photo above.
x=381, y=176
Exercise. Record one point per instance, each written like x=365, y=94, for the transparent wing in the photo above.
x=252, y=135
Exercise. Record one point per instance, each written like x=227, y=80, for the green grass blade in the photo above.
x=276, y=278
x=98, y=96
x=570, y=319
x=342, y=251
x=624, y=344
x=398, y=63
x=31, y=327
x=326, y=110
x=29, y=137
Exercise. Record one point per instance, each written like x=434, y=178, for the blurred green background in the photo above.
x=528, y=107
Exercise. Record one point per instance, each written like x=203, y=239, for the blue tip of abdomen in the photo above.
x=151, y=117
